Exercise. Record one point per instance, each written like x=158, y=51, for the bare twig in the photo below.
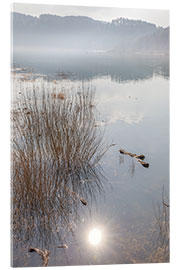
x=139, y=158
x=44, y=253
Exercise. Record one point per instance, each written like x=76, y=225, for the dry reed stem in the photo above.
x=54, y=147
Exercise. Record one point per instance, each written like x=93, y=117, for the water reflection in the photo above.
x=88, y=65
x=134, y=113
x=56, y=150
x=162, y=231
x=95, y=236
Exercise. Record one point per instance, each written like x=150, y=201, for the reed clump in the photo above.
x=162, y=229
x=55, y=154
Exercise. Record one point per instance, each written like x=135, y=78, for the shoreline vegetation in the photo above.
x=56, y=150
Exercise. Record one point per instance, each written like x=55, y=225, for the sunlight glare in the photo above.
x=95, y=237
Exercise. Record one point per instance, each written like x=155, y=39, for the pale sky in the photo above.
x=158, y=17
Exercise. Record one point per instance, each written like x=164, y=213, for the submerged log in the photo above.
x=62, y=246
x=142, y=157
x=122, y=151
x=44, y=253
x=138, y=157
x=144, y=164
x=83, y=201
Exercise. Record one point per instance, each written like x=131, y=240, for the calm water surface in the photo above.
x=132, y=97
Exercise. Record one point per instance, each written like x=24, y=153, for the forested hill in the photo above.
x=80, y=32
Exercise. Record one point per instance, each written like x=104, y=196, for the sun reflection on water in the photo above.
x=95, y=236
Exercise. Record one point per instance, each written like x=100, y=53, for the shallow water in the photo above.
x=132, y=97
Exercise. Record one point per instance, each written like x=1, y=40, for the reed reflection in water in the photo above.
x=56, y=150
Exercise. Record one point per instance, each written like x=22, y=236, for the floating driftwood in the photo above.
x=83, y=201
x=139, y=158
x=122, y=151
x=144, y=164
x=44, y=253
x=62, y=246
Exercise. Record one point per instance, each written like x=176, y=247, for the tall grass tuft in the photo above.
x=56, y=149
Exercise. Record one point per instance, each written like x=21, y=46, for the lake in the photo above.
x=132, y=110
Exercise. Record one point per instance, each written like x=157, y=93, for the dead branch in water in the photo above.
x=139, y=158
x=62, y=246
x=144, y=164
x=44, y=253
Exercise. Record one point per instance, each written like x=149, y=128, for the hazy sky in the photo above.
x=159, y=17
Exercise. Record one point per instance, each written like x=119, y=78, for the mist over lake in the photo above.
x=90, y=141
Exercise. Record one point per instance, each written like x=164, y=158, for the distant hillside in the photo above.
x=79, y=32
x=159, y=41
